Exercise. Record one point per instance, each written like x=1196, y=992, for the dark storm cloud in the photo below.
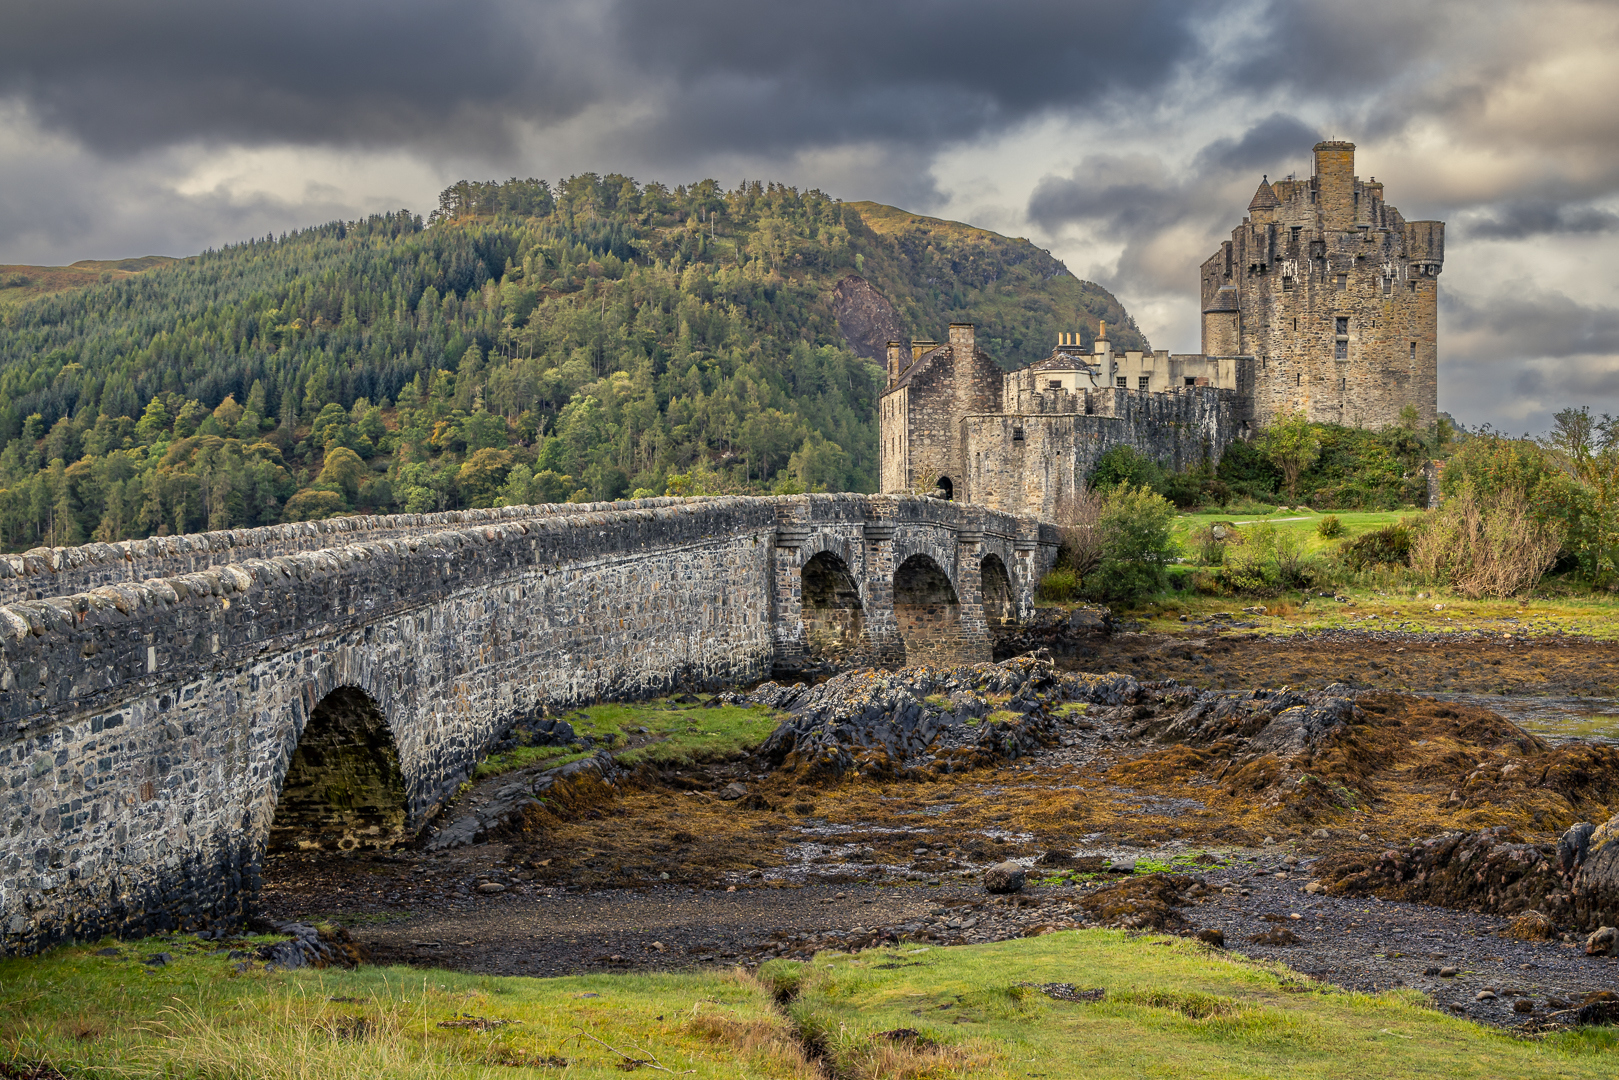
x=1133, y=197
x=1329, y=48
x=1525, y=322
x=910, y=70
x=1275, y=140
x=1516, y=220
x=125, y=77
x=725, y=73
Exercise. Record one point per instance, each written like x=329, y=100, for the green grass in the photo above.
x=680, y=733
x=522, y=757
x=1299, y=522
x=1171, y=1008
x=105, y=1017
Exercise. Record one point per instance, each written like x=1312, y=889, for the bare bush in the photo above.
x=1486, y=546
x=1078, y=518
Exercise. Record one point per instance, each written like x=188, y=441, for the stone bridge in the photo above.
x=171, y=707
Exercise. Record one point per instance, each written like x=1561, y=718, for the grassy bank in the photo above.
x=102, y=1016
x=1166, y=1007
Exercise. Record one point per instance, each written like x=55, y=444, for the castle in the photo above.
x=1324, y=301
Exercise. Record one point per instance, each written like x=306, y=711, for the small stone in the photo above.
x=736, y=789
x=664, y=876
x=1523, y=1005
x=1268, y=841
x=1484, y=995
x=1006, y=877
x=1365, y=836
x=1449, y=972
x=491, y=887
x=730, y=888
x=658, y=945
x=1603, y=942
x=1295, y=915
x=161, y=959
x=839, y=896
x=1313, y=887
x=1122, y=866
x=1212, y=936
x=1291, y=861
x=108, y=952
x=1321, y=834
x=1430, y=971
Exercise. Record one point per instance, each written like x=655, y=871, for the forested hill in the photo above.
x=522, y=345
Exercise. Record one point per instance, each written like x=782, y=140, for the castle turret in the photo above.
x=1335, y=185
x=1264, y=202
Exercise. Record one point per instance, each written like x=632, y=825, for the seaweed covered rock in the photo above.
x=926, y=720
x=1588, y=857
x=1144, y=901
x=1493, y=871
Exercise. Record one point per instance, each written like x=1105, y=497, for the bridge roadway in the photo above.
x=164, y=703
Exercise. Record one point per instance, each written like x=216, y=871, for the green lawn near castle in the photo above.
x=1167, y=1007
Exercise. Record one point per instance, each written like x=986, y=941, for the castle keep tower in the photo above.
x=1334, y=294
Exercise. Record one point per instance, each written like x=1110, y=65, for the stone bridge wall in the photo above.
x=45, y=571
x=145, y=729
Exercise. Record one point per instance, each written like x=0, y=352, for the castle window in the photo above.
x=1413, y=350
x=1287, y=284
x=1340, y=349
x=1190, y=381
x=1017, y=434
x=1388, y=286
x=1343, y=325
x=1340, y=282
x=1343, y=384
x=1054, y=384
x=1413, y=285
x=1298, y=380
x=1123, y=383
x=1144, y=381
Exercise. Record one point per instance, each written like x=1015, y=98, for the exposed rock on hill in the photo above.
x=866, y=318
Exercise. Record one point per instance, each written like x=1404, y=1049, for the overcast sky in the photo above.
x=1126, y=137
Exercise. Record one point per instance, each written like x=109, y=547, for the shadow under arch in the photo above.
x=944, y=489
x=344, y=789
x=927, y=611
x=833, y=616
x=1000, y=605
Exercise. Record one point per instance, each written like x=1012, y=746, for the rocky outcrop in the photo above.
x=866, y=318
x=1059, y=632
x=924, y=721
x=1574, y=883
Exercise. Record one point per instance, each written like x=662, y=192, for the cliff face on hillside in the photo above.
x=866, y=318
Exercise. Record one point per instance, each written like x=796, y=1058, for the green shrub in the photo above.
x=1136, y=545
x=1059, y=587
x=1388, y=546
x=1330, y=527
x=1211, y=541
x=1123, y=466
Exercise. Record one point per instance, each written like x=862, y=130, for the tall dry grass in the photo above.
x=1486, y=545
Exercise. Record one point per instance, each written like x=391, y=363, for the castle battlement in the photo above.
x=1324, y=300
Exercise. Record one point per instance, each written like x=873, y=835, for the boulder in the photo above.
x=736, y=789
x=1602, y=942
x=1006, y=877
x=1589, y=859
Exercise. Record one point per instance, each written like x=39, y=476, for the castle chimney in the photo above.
x=1101, y=338
x=893, y=363
x=1335, y=185
x=961, y=340
x=919, y=346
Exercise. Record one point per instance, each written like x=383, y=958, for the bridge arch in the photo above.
x=999, y=595
x=833, y=613
x=341, y=786
x=927, y=610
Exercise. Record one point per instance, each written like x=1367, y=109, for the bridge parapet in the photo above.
x=146, y=727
